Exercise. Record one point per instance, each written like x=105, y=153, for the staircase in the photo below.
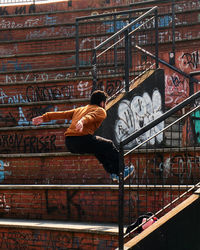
x=50, y=198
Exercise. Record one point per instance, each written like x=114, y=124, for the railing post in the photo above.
x=77, y=47
x=94, y=70
x=156, y=37
x=121, y=198
x=115, y=47
x=126, y=64
x=173, y=27
x=172, y=53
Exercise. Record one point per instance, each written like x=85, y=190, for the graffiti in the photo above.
x=19, y=10
x=3, y=204
x=7, y=51
x=182, y=168
x=53, y=239
x=167, y=35
x=84, y=88
x=33, y=112
x=189, y=61
x=8, y=119
x=110, y=86
x=179, y=166
x=4, y=98
x=69, y=206
x=27, y=144
x=176, y=88
x=6, y=24
x=163, y=21
x=2, y=177
x=22, y=120
x=189, y=5
x=196, y=121
x=34, y=94
x=14, y=65
x=37, y=111
x=37, y=77
x=137, y=113
x=90, y=42
x=52, y=32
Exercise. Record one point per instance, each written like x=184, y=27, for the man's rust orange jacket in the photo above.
x=92, y=116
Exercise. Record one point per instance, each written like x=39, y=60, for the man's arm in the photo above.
x=53, y=116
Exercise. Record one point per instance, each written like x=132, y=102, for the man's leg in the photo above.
x=104, y=150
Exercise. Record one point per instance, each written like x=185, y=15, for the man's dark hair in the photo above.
x=97, y=97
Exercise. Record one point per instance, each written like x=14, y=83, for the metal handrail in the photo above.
x=189, y=76
x=160, y=119
x=112, y=14
x=162, y=130
x=125, y=28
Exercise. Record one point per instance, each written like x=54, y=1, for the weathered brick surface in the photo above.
x=36, y=32
x=61, y=169
x=21, y=115
x=37, y=87
x=32, y=141
x=21, y=76
x=88, y=205
x=37, y=239
x=45, y=91
x=40, y=61
x=97, y=205
x=167, y=168
x=31, y=46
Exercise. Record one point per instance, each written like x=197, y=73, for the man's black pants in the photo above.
x=103, y=149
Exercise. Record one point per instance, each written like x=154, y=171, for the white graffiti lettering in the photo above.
x=137, y=113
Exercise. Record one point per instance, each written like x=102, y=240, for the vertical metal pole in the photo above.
x=172, y=53
x=121, y=198
x=115, y=47
x=156, y=37
x=130, y=46
x=191, y=86
x=94, y=70
x=77, y=47
x=173, y=27
x=126, y=64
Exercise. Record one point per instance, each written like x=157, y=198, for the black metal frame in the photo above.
x=125, y=31
x=189, y=100
x=107, y=15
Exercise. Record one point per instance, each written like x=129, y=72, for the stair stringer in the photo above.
x=176, y=230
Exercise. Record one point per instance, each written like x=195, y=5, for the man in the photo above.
x=80, y=136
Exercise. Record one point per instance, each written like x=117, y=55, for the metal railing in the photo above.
x=93, y=30
x=164, y=152
x=129, y=62
x=173, y=18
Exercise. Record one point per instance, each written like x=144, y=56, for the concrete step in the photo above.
x=40, y=234
x=36, y=44
x=51, y=85
x=42, y=161
x=51, y=168
x=82, y=203
x=36, y=61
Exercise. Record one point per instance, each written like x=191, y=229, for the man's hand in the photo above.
x=79, y=126
x=37, y=120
